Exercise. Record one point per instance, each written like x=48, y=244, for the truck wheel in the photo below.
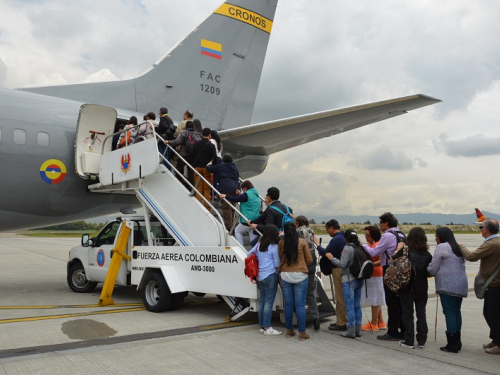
x=199, y=294
x=156, y=295
x=77, y=280
x=177, y=300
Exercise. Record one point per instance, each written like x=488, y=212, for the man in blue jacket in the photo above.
x=335, y=247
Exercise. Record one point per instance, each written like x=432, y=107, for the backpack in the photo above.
x=326, y=266
x=252, y=267
x=398, y=274
x=362, y=264
x=192, y=138
x=287, y=218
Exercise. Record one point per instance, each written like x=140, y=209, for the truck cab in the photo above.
x=89, y=262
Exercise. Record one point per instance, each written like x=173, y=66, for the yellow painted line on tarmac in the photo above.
x=62, y=316
x=65, y=306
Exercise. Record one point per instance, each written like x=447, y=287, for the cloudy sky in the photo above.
x=322, y=55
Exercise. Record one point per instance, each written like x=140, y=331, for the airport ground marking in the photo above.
x=63, y=316
x=65, y=306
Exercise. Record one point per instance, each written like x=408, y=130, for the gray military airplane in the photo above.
x=214, y=71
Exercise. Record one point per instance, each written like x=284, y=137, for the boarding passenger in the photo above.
x=414, y=296
x=268, y=259
x=127, y=137
x=165, y=129
x=186, y=141
x=386, y=247
x=373, y=288
x=335, y=248
x=197, y=126
x=116, y=137
x=448, y=265
x=147, y=129
x=204, y=153
x=218, y=147
x=188, y=116
x=302, y=225
x=295, y=256
x=271, y=216
x=249, y=201
x=229, y=182
x=489, y=253
x=351, y=286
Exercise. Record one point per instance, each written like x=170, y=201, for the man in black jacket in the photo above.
x=270, y=215
x=203, y=153
x=165, y=129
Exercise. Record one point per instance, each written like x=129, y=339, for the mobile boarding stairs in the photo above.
x=205, y=257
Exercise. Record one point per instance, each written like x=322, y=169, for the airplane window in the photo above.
x=42, y=139
x=19, y=136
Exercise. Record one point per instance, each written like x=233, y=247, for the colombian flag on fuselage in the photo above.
x=211, y=49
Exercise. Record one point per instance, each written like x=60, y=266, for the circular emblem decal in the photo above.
x=100, y=258
x=53, y=171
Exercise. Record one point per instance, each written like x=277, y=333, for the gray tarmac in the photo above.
x=45, y=328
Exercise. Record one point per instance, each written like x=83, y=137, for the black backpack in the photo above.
x=362, y=264
x=191, y=139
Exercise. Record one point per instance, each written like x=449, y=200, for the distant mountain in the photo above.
x=417, y=218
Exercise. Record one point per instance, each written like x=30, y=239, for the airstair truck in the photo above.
x=178, y=246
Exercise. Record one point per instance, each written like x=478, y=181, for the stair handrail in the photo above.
x=208, y=183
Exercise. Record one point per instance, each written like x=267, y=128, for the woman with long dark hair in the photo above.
x=415, y=293
x=295, y=256
x=351, y=287
x=268, y=258
x=448, y=266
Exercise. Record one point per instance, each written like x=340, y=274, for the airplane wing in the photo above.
x=274, y=136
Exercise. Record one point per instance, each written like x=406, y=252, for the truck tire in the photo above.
x=77, y=280
x=156, y=295
x=177, y=300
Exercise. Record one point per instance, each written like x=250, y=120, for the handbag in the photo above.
x=480, y=285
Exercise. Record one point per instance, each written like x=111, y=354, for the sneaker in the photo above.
x=369, y=327
x=387, y=337
x=405, y=345
x=382, y=326
x=262, y=330
x=421, y=346
x=271, y=331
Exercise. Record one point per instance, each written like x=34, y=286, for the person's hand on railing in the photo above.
x=222, y=196
x=165, y=142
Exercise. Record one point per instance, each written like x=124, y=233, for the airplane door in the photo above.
x=95, y=123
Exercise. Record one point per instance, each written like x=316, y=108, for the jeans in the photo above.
x=451, y=310
x=295, y=296
x=242, y=229
x=267, y=292
x=352, y=298
x=161, y=150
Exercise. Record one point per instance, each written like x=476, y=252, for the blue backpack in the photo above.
x=287, y=218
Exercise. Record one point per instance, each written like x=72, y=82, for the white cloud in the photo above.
x=334, y=54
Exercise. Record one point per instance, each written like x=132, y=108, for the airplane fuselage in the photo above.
x=40, y=187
